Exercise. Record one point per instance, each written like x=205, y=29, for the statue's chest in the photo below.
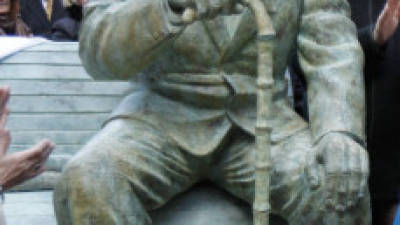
x=225, y=37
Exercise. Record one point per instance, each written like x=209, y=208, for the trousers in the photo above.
x=131, y=167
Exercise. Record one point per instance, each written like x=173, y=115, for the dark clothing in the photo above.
x=75, y=12
x=299, y=87
x=17, y=28
x=382, y=76
x=33, y=13
x=7, y=31
x=67, y=29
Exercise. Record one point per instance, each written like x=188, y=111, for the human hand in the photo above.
x=343, y=164
x=387, y=22
x=21, y=166
x=22, y=29
x=205, y=9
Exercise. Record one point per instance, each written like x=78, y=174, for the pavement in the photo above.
x=29, y=208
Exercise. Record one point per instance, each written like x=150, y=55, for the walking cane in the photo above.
x=265, y=83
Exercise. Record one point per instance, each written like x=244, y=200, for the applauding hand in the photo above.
x=18, y=167
x=387, y=22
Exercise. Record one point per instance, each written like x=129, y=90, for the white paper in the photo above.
x=11, y=44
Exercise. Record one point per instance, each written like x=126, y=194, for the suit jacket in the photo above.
x=34, y=15
x=179, y=70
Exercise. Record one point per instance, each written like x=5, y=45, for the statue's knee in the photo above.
x=75, y=176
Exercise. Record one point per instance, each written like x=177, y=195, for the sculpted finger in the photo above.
x=343, y=178
x=334, y=169
x=331, y=194
x=355, y=180
x=313, y=176
x=354, y=174
x=364, y=164
x=312, y=171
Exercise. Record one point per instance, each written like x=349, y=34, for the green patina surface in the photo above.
x=192, y=116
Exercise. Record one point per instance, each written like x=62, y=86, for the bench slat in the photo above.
x=60, y=149
x=57, y=121
x=58, y=137
x=42, y=72
x=62, y=58
x=53, y=104
x=66, y=87
x=55, y=47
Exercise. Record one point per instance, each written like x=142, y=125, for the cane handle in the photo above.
x=189, y=15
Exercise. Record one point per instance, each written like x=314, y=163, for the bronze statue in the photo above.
x=192, y=114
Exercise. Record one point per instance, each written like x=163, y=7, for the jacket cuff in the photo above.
x=360, y=140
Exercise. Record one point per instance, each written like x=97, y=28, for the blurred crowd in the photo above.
x=57, y=20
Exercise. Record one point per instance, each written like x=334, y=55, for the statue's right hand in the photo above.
x=206, y=9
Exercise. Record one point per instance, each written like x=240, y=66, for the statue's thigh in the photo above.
x=291, y=196
x=235, y=171
x=139, y=154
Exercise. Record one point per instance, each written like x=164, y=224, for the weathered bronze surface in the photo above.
x=192, y=115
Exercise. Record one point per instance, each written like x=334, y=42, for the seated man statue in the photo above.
x=191, y=116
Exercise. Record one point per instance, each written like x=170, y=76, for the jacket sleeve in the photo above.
x=332, y=60
x=119, y=38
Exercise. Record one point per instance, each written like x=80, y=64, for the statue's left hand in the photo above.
x=342, y=165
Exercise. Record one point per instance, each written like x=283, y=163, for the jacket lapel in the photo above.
x=244, y=32
x=37, y=8
x=217, y=31
x=225, y=31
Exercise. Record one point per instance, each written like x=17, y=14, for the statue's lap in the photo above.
x=205, y=204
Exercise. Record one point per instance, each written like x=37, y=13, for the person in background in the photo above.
x=17, y=167
x=381, y=45
x=10, y=22
x=40, y=15
x=382, y=79
x=67, y=28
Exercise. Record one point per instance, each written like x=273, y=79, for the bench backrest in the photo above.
x=53, y=97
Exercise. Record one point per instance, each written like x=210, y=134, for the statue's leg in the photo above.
x=130, y=167
x=291, y=196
